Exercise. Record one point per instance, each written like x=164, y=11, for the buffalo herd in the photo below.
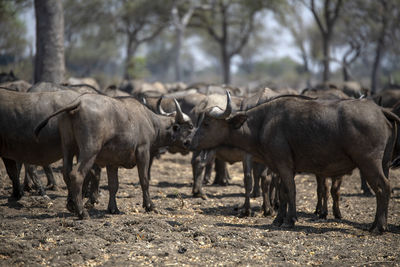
x=328, y=130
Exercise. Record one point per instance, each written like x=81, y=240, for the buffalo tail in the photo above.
x=68, y=108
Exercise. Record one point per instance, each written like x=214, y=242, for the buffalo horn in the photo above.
x=223, y=114
x=160, y=109
x=179, y=114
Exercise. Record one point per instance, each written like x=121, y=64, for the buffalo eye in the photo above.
x=175, y=128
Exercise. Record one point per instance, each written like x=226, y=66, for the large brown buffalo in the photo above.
x=296, y=134
x=19, y=115
x=114, y=132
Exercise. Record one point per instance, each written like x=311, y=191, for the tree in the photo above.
x=229, y=23
x=12, y=39
x=181, y=13
x=139, y=22
x=49, y=60
x=384, y=31
x=90, y=41
x=290, y=16
x=326, y=20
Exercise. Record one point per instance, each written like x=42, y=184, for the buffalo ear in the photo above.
x=237, y=121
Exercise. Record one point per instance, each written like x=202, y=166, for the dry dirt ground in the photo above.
x=188, y=231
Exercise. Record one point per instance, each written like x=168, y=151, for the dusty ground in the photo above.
x=36, y=231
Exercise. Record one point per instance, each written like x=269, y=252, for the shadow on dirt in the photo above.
x=357, y=195
x=229, y=211
x=165, y=184
x=13, y=204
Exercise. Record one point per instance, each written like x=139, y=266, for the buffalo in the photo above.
x=113, y=132
x=293, y=134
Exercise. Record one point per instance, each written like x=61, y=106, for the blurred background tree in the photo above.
x=288, y=43
x=14, y=45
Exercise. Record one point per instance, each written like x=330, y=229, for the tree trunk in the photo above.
x=226, y=65
x=177, y=54
x=49, y=60
x=306, y=68
x=346, y=76
x=130, y=58
x=377, y=60
x=375, y=68
x=326, y=54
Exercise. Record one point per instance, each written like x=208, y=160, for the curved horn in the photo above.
x=179, y=114
x=143, y=100
x=223, y=114
x=160, y=109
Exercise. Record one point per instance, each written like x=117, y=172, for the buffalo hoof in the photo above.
x=367, y=193
x=221, y=183
x=89, y=205
x=149, y=207
x=70, y=206
x=244, y=213
x=323, y=215
x=378, y=229
x=113, y=210
x=289, y=223
x=268, y=212
x=17, y=195
x=53, y=187
x=277, y=221
x=200, y=195
x=84, y=215
x=256, y=194
x=337, y=215
x=27, y=188
x=206, y=180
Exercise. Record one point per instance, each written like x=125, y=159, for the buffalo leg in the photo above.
x=282, y=209
x=207, y=172
x=322, y=195
x=112, y=176
x=380, y=185
x=248, y=184
x=92, y=183
x=256, y=185
x=335, y=193
x=67, y=168
x=51, y=181
x=288, y=188
x=143, y=165
x=365, y=188
x=199, y=161
x=221, y=173
x=77, y=175
x=13, y=170
x=30, y=173
x=274, y=191
x=197, y=171
x=266, y=183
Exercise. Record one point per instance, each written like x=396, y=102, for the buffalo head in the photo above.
x=215, y=126
x=181, y=129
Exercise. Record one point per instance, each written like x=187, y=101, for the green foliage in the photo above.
x=137, y=68
x=283, y=71
x=12, y=34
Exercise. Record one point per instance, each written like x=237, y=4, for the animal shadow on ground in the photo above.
x=12, y=204
x=228, y=210
x=356, y=195
x=165, y=184
x=310, y=229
